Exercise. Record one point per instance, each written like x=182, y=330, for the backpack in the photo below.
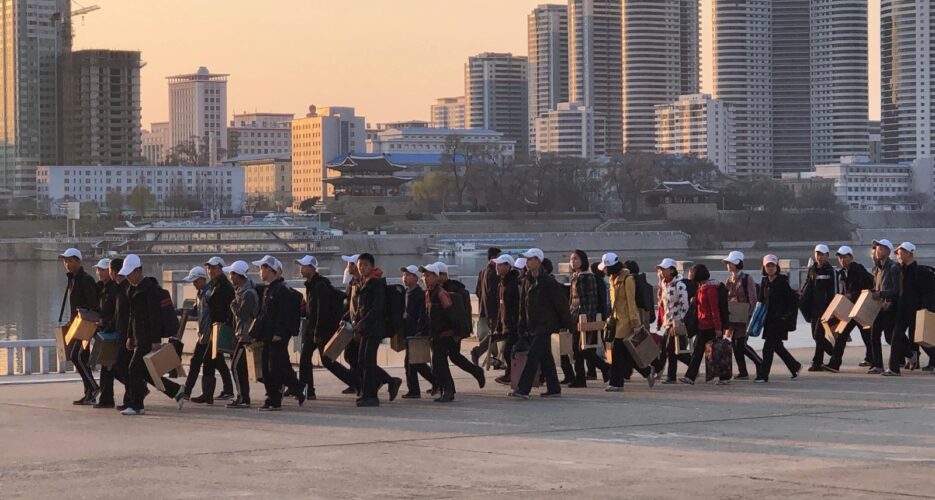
x=691, y=316
x=294, y=301
x=463, y=310
x=333, y=302
x=723, y=308
x=645, y=298
x=168, y=318
x=927, y=285
x=395, y=308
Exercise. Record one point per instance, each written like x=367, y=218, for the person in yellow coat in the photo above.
x=624, y=320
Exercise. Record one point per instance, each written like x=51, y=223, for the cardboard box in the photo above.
x=83, y=327
x=683, y=344
x=61, y=347
x=420, y=350
x=254, y=356
x=591, y=332
x=398, y=341
x=161, y=361
x=222, y=339
x=104, y=350
x=865, y=310
x=339, y=341
x=924, y=334
x=561, y=345
x=830, y=327
x=517, y=365
x=839, y=308
x=738, y=312
x=642, y=348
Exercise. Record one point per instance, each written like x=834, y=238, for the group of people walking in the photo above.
x=521, y=307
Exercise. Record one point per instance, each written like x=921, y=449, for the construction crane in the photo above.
x=66, y=22
x=84, y=10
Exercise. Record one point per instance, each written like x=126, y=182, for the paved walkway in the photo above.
x=848, y=435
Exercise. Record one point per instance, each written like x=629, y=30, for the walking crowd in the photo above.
x=608, y=319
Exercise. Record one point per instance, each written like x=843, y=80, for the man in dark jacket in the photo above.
x=109, y=293
x=82, y=293
x=818, y=291
x=486, y=292
x=323, y=311
x=215, y=294
x=507, y=311
x=441, y=319
x=913, y=285
x=543, y=311
x=886, y=289
x=414, y=318
x=368, y=317
x=121, y=366
x=853, y=278
x=273, y=328
x=458, y=292
x=144, y=331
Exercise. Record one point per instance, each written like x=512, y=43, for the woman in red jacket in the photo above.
x=709, y=320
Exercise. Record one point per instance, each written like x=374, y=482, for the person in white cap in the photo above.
x=439, y=324
x=741, y=288
x=214, y=297
x=244, y=308
x=781, y=317
x=109, y=292
x=414, y=319
x=324, y=308
x=273, y=326
x=543, y=310
x=145, y=329
x=584, y=299
x=914, y=285
x=817, y=292
x=121, y=366
x=853, y=278
x=674, y=307
x=886, y=289
x=352, y=282
x=82, y=294
x=486, y=292
x=458, y=291
x=508, y=289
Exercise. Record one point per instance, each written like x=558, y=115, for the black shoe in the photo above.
x=412, y=395
x=565, y=381
x=669, y=381
x=121, y=407
x=269, y=407
x=686, y=380
x=890, y=373
x=927, y=368
x=349, y=390
x=578, y=384
x=481, y=379
x=238, y=404
x=742, y=377
x=224, y=396
x=302, y=395
x=105, y=405
x=432, y=391
x=551, y=394
x=368, y=402
x=446, y=397
x=829, y=368
x=592, y=376
x=815, y=368
x=864, y=364
x=203, y=400
x=394, y=385
x=287, y=393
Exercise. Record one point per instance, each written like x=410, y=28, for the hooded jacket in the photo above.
x=709, y=312
x=320, y=320
x=623, y=303
x=244, y=308
x=144, y=299
x=486, y=291
x=780, y=307
x=820, y=288
x=82, y=292
x=109, y=294
x=508, y=291
x=543, y=306
x=368, y=307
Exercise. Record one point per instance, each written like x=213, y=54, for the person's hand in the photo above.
x=131, y=344
x=276, y=338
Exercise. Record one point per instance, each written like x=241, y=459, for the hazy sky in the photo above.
x=388, y=58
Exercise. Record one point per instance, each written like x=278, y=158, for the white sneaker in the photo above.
x=130, y=412
x=613, y=388
x=180, y=398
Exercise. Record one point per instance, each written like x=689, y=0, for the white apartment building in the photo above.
x=317, y=138
x=570, y=130
x=862, y=185
x=434, y=140
x=156, y=142
x=252, y=134
x=216, y=187
x=198, y=111
x=496, y=95
x=697, y=125
x=448, y=112
x=547, y=33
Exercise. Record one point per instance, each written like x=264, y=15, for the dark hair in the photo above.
x=739, y=265
x=547, y=265
x=493, y=253
x=584, y=260
x=632, y=266
x=778, y=270
x=116, y=264
x=614, y=269
x=596, y=270
x=700, y=273
x=366, y=256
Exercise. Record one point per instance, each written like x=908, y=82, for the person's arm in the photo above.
x=521, y=316
x=91, y=297
x=751, y=292
x=630, y=287
x=153, y=335
x=890, y=284
x=682, y=310
x=713, y=307
x=560, y=303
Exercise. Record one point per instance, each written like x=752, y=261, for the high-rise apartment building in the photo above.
x=697, y=125
x=496, y=96
x=319, y=137
x=198, y=112
x=548, y=61
x=448, y=112
x=252, y=134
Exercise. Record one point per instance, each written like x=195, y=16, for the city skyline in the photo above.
x=420, y=50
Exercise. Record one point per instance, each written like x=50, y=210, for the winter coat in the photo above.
x=780, y=302
x=82, y=293
x=583, y=296
x=819, y=290
x=543, y=307
x=320, y=321
x=486, y=291
x=414, y=316
x=673, y=302
x=109, y=294
x=145, y=312
x=272, y=319
x=368, y=307
x=508, y=290
x=708, y=310
x=623, y=303
x=244, y=308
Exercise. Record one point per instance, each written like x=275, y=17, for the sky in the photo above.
x=390, y=59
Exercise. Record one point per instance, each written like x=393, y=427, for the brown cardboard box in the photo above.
x=738, y=312
x=61, y=347
x=254, y=358
x=831, y=327
x=517, y=365
x=83, y=327
x=591, y=332
x=561, y=345
x=924, y=334
x=420, y=350
x=642, y=348
x=398, y=341
x=103, y=352
x=339, y=341
x=839, y=308
x=161, y=361
x=865, y=309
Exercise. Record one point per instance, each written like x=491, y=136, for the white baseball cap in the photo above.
x=845, y=250
x=71, y=253
x=431, y=268
x=442, y=267
x=770, y=259
x=350, y=259
x=667, y=263
x=270, y=262
x=534, y=252
x=884, y=242
x=822, y=248
x=411, y=269
x=308, y=260
x=607, y=260
x=504, y=259
x=103, y=264
x=195, y=273
x=520, y=263
x=215, y=261
x=238, y=267
x=734, y=258
x=130, y=263
x=907, y=246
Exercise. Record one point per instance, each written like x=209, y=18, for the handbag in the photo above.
x=610, y=329
x=755, y=327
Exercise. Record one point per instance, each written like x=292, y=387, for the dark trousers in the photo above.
x=508, y=344
x=352, y=357
x=539, y=357
x=278, y=372
x=462, y=362
x=138, y=377
x=882, y=326
x=742, y=351
x=900, y=345
x=703, y=337
x=840, y=343
x=207, y=365
x=117, y=371
x=822, y=346
x=668, y=356
x=79, y=357
x=371, y=375
x=306, y=373
x=412, y=375
x=239, y=372
x=441, y=349
x=622, y=363
x=585, y=355
x=776, y=346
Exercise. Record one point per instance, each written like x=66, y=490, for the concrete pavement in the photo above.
x=846, y=435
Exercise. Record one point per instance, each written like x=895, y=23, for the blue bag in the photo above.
x=755, y=327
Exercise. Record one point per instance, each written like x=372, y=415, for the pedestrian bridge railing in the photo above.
x=26, y=352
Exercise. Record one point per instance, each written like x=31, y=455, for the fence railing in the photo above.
x=26, y=348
